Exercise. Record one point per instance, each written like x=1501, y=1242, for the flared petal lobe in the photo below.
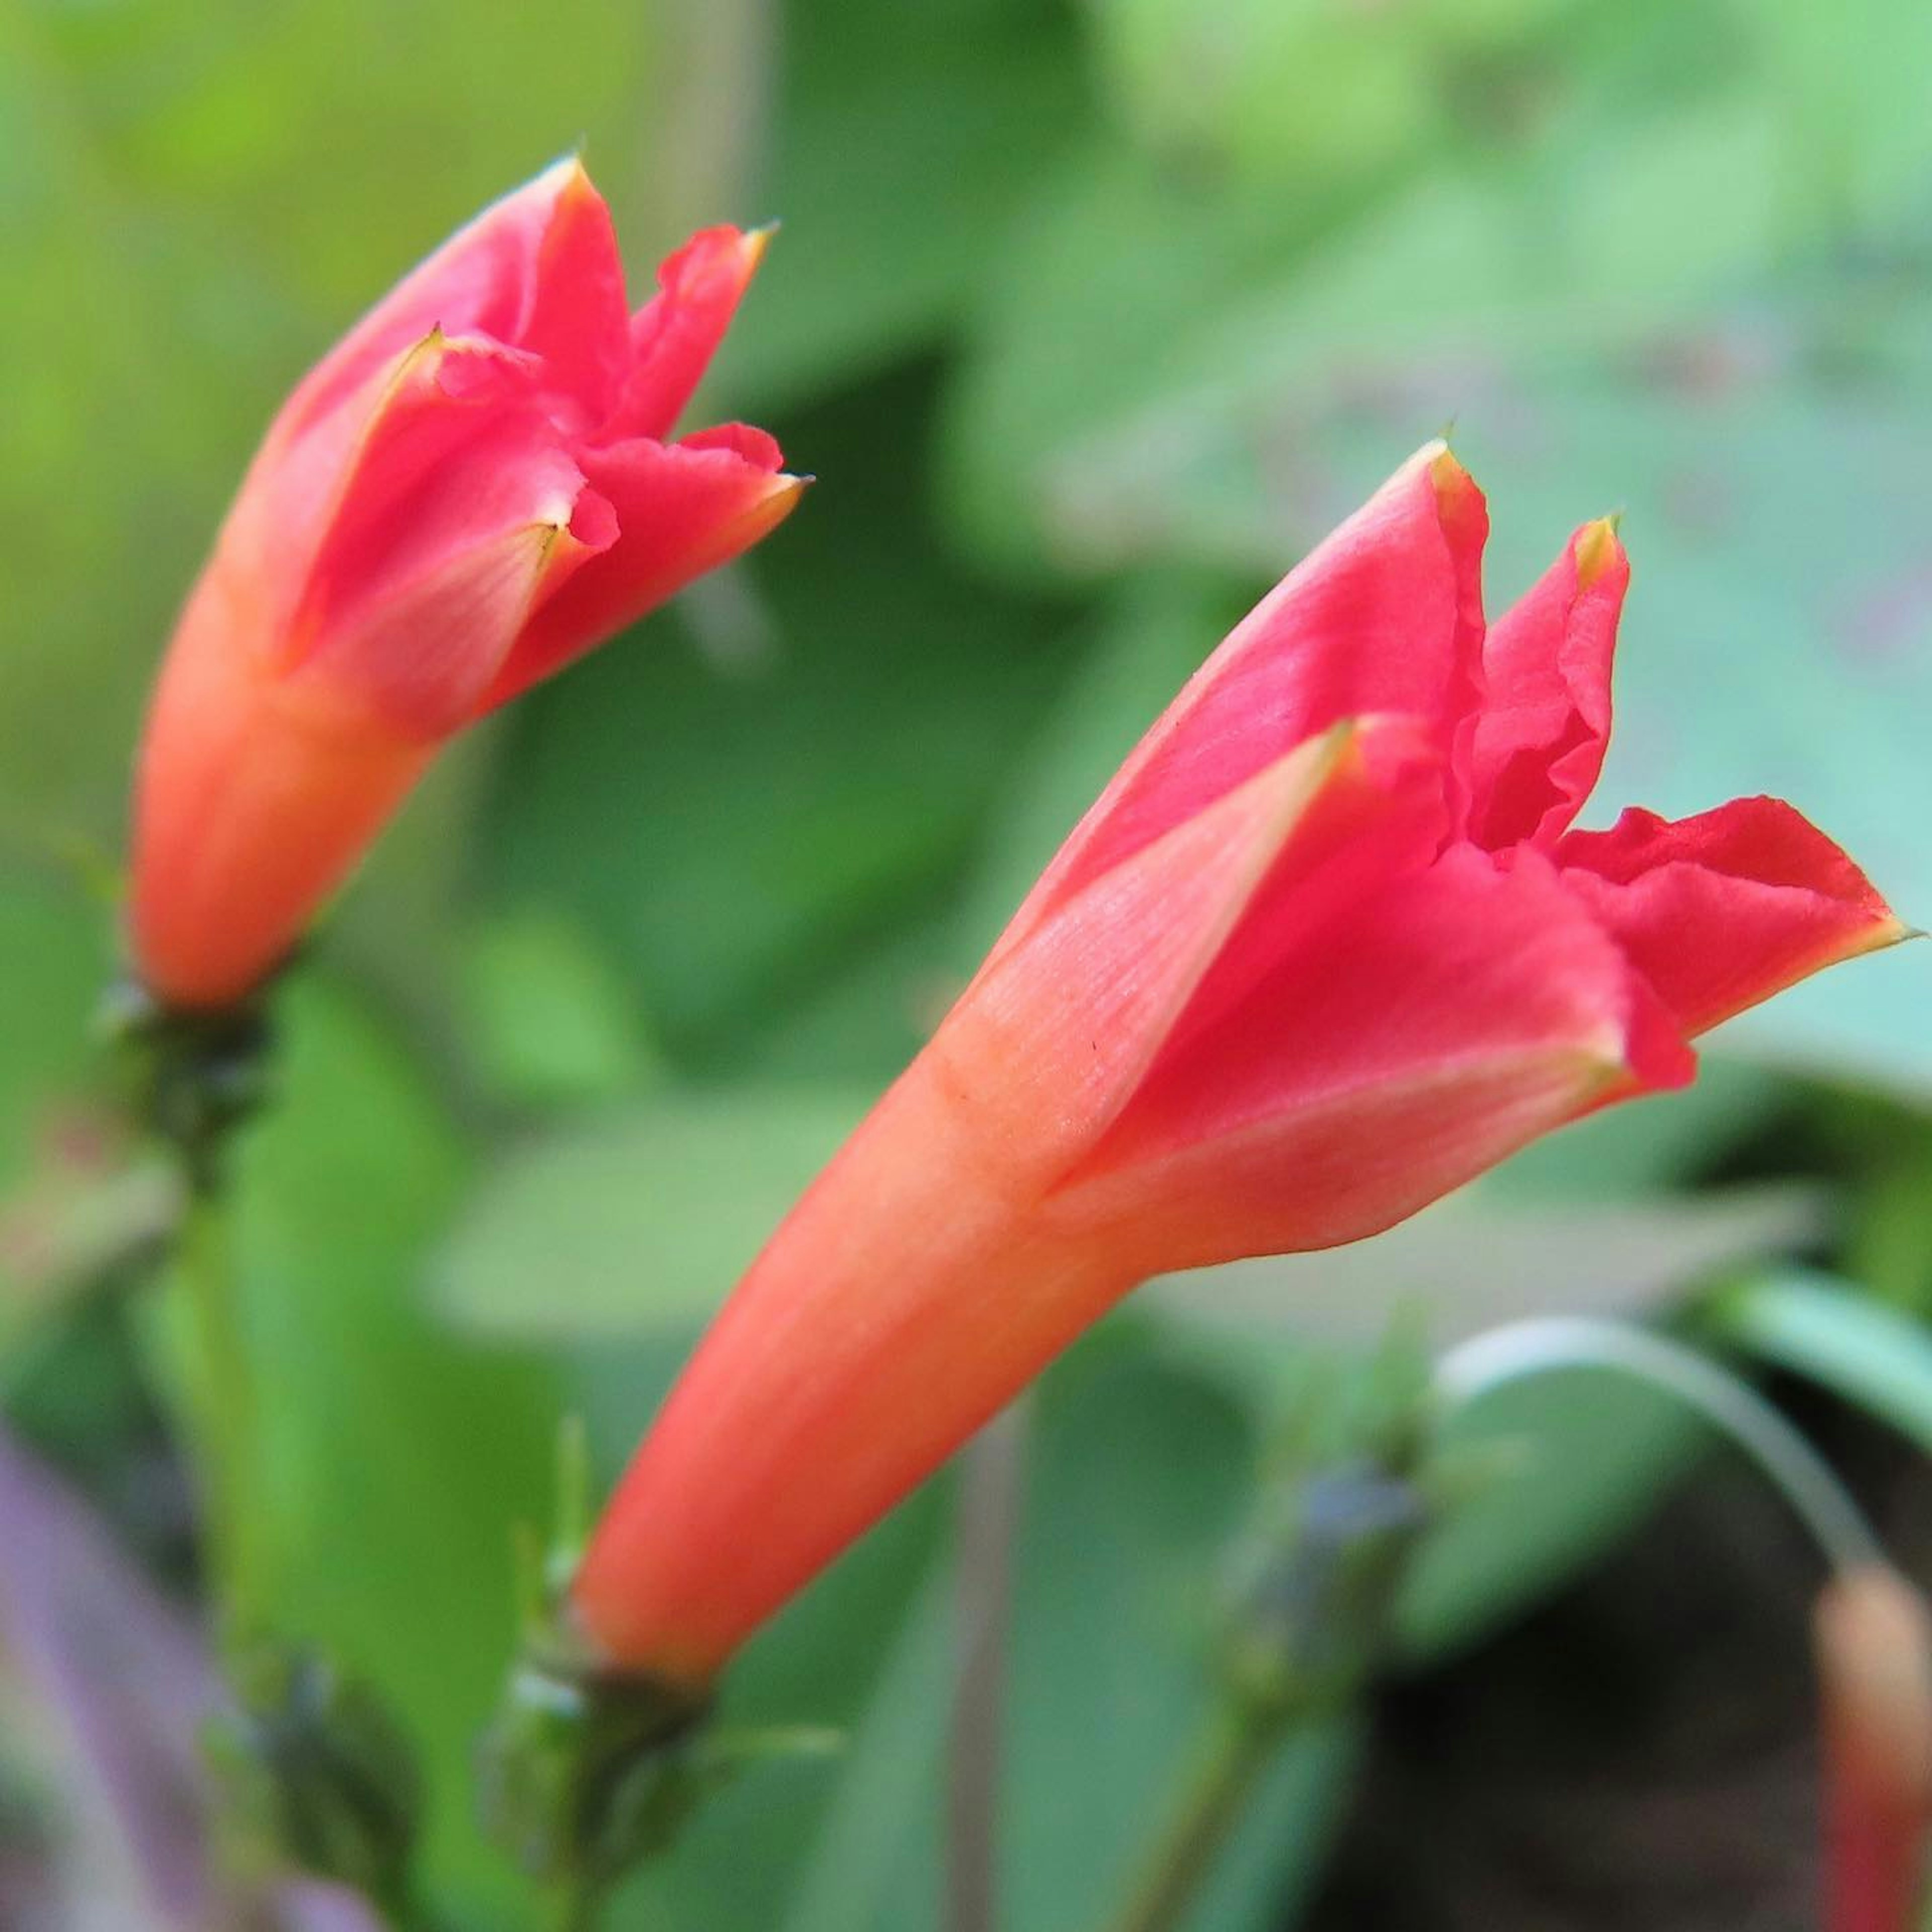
x=1544, y=723
x=679, y=509
x=1720, y=911
x=674, y=335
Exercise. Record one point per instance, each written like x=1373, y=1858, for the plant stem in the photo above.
x=1241, y=1741
x=221, y=1410
x=989, y=1506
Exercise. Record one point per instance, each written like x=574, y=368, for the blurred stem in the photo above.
x=989, y=1505
x=221, y=1410
x=1544, y=1343
x=1241, y=1741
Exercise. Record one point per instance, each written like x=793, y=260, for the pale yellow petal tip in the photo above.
x=752, y=243
x=1599, y=547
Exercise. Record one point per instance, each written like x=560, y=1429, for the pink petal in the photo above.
x=1545, y=720
x=577, y=319
x=1055, y=1034
x=1725, y=909
x=674, y=336
x=680, y=509
x=357, y=465
x=482, y=281
x=1423, y=1034
x=1385, y=616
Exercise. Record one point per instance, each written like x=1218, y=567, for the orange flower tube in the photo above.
x=471, y=489
x=1326, y=947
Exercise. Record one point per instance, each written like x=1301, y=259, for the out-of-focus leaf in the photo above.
x=1575, y=1460
x=1274, y=89
x=1823, y=1329
x=1140, y=1475
x=1159, y=628
x=1469, y=1264
x=638, y=1221
x=55, y=959
x=549, y=1021
x=733, y=834
x=884, y=1820
x=900, y=140
x=395, y=1456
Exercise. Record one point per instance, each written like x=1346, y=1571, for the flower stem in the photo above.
x=1240, y=1742
x=221, y=1412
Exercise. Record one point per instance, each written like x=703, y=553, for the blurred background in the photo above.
x=1089, y=318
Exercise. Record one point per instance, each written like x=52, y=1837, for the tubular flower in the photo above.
x=1873, y=1638
x=471, y=489
x=1325, y=948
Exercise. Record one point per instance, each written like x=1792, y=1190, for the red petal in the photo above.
x=1545, y=719
x=577, y=318
x=1723, y=910
x=681, y=509
x=1055, y=1032
x=674, y=336
x=1423, y=1034
x=1385, y=616
x=482, y=281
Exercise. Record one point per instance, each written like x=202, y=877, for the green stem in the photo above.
x=1240, y=1743
x=222, y=1413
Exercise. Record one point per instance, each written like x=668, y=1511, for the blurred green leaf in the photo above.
x=1571, y=1461
x=638, y=1221
x=899, y=143
x=734, y=831
x=55, y=957
x=1473, y=1262
x=550, y=1022
x=1825, y=1329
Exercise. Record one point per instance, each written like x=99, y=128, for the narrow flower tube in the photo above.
x=1326, y=947
x=474, y=487
x=1873, y=1641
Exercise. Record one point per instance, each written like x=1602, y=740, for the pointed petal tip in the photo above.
x=1598, y=550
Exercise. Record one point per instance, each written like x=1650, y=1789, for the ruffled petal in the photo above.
x=1385, y=616
x=1545, y=719
x=1413, y=1041
x=674, y=336
x=1721, y=910
x=679, y=509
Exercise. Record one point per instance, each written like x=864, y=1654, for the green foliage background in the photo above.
x=1090, y=318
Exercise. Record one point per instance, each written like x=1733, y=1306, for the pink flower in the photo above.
x=474, y=487
x=1326, y=947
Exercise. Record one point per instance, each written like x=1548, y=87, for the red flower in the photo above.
x=1325, y=948
x=472, y=489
